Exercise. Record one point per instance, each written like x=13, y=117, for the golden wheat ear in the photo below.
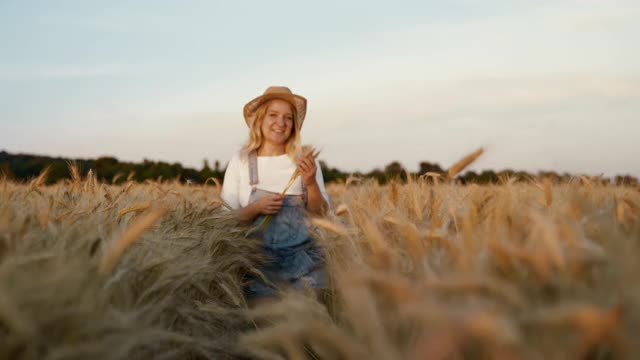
x=456, y=168
x=131, y=235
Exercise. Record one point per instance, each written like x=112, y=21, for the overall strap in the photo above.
x=253, y=170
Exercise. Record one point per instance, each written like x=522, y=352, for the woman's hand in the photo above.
x=269, y=205
x=307, y=166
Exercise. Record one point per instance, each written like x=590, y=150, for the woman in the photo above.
x=256, y=176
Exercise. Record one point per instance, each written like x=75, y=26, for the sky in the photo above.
x=540, y=85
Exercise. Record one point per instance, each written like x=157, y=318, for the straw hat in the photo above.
x=276, y=92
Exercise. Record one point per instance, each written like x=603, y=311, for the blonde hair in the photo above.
x=293, y=144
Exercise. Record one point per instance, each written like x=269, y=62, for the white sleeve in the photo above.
x=320, y=181
x=231, y=184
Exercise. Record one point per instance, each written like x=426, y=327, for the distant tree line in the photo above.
x=23, y=166
x=107, y=169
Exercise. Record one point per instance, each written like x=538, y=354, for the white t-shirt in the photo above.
x=274, y=173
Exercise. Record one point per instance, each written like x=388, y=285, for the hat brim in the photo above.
x=298, y=102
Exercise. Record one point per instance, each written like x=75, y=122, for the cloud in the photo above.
x=10, y=72
x=527, y=85
x=609, y=17
x=94, y=19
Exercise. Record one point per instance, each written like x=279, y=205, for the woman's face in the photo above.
x=278, y=122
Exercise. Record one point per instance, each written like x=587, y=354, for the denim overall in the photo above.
x=293, y=258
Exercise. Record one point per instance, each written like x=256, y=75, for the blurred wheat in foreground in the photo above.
x=421, y=270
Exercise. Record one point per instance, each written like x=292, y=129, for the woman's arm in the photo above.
x=312, y=177
x=230, y=192
x=267, y=205
x=316, y=203
x=247, y=213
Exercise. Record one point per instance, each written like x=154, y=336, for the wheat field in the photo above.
x=425, y=269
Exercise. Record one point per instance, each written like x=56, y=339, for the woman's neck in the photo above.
x=268, y=149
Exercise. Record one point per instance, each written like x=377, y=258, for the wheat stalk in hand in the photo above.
x=267, y=219
x=296, y=173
